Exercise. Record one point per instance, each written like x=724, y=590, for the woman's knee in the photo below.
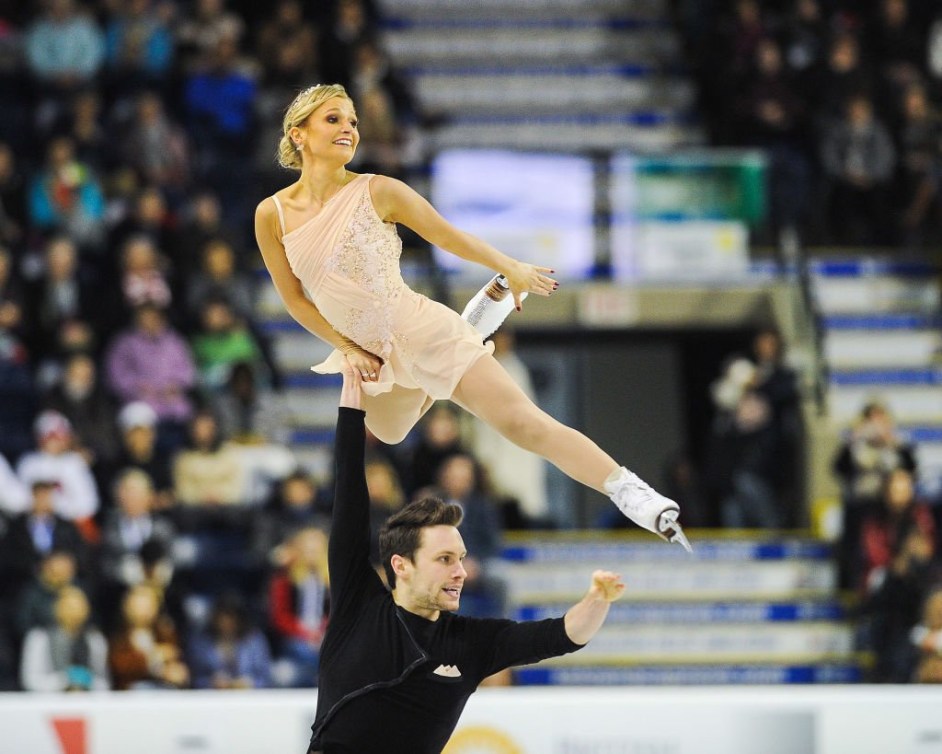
x=526, y=426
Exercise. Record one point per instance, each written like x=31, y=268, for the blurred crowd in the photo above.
x=156, y=530
x=844, y=96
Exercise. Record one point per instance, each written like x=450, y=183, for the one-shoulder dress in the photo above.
x=347, y=259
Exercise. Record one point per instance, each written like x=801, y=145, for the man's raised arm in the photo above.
x=348, y=552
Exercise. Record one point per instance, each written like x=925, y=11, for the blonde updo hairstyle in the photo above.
x=298, y=111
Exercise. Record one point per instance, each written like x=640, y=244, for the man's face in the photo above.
x=433, y=580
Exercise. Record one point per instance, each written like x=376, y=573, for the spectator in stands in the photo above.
x=872, y=452
x=884, y=531
x=145, y=653
x=440, y=437
x=219, y=103
x=288, y=30
x=742, y=463
x=231, y=653
x=70, y=655
x=222, y=341
x=859, y=160
x=91, y=411
x=156, y=147
x=298, y=608
x=12, y=296
x=143, y=276
x=137, y=423
x=804, y=42
x=36, y=605
x=14, y=497
x=517, y=475
x=249, y=412
x=65, y=196
x=895, y=42
x=129, y=526
x=151, y=362
x=17, y=394
x=65, y=48
x=296, y=506
x=199, y=32
x=777, y=383
x=460, y=480
x=139, y=48
x=202, y=223
x=927, y=639
x=892, y=607
x=920, y=163
x=386, y=497
x=13, y=215
x=844, y=76
x=209, y=471
x=64, y=293
x=219, y=276
x=773, y=117
x=149, y=217
x=83, y=124
x=35, y=534
x=55, y=460
x=350, y=26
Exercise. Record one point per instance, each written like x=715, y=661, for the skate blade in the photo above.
x=672, y=532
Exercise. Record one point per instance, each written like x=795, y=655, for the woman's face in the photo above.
x=330, y=132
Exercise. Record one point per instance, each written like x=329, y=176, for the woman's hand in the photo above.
x=528, y=278
x=364, y=363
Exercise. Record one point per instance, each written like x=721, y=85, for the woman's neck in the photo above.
x=319, y=182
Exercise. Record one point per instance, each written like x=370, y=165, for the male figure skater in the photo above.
x=397, y=667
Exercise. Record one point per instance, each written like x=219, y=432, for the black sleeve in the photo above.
x=348, y=551
x=512, y=643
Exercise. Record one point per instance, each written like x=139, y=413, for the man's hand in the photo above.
x=606, y=586
x=350, y=393
x=585, y=618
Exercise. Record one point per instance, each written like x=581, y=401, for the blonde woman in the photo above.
x=332, y=233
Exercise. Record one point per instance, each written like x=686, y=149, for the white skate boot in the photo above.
x=648, y=509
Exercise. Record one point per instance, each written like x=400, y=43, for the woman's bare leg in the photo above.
x=488, y=392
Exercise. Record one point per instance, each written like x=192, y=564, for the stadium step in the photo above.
x=882, y=342
x=743, y=607
x=420, y=10
x=593, y=92
x=575, y=76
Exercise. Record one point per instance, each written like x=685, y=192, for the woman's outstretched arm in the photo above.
x=397, y=202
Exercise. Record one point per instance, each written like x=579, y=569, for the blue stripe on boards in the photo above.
x=700, y=614
x=881, y=322
x=689, y=675
x=705, y=550
x=898, y=377
x=840, y=268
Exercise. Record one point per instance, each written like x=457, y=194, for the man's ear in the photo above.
x=400, y=566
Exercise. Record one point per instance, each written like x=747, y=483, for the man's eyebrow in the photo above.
x=463, y=554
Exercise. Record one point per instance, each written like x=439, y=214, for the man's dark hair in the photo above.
x=402, y=532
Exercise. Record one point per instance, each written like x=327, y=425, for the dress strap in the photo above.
x=281, y=214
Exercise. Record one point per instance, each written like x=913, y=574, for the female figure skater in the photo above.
x=332, y=233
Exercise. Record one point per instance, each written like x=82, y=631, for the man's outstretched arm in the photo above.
x=585, y=618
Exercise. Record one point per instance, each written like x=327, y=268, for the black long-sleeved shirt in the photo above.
x=392, y=681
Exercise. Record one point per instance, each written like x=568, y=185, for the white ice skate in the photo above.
x=647, y=508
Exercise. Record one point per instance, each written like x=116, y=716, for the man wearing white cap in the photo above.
x=76, y=495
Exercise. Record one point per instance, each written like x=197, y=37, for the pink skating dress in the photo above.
x=347, y=259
